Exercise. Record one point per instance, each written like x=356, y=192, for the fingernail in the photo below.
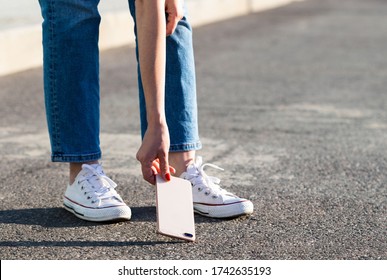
x=168, y=177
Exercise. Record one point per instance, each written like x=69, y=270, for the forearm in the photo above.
x=151, y=40
x=151, y=33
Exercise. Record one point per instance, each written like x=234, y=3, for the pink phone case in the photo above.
x=175, y=216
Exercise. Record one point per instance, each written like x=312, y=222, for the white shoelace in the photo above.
x=99, y=186
x=198, y=177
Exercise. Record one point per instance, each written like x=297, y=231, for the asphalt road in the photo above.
x=292, y=103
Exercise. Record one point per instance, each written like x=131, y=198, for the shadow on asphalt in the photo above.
x=83, y=243
x=58, y=217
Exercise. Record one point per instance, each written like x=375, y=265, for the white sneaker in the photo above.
x=209, y=199
x=92, y=196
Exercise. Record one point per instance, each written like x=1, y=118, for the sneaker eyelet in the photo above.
x=85, y=193
x=215, y=196
x=207, y=193
x=88, y=197
x=200, y=189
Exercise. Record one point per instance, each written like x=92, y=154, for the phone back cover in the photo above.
x=175, y=216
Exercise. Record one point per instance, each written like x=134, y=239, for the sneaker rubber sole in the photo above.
x=114, y=213
x=231, y=210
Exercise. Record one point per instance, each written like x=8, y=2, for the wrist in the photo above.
x=156, y=120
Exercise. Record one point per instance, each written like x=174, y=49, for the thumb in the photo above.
x=164, y=168
x=171, y=24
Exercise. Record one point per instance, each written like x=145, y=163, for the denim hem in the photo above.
x=75, y=158
x=185, y=147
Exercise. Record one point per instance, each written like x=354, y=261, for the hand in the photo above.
x=174, y=11
x=153, y=153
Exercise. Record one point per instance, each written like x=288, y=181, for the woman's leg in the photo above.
x=71, y=88
x=71, y=78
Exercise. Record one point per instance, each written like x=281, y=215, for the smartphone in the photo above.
x=174, y=206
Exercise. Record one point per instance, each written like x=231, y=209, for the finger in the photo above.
x=154, y=170
x=164, y=168
x=157, y=170
x=152, y=180
x=148, y=175
x=171, y=26
x=156, y=165
x=172, y=170
x=172, y=21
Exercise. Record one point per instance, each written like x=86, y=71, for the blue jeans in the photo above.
x=71, y=82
